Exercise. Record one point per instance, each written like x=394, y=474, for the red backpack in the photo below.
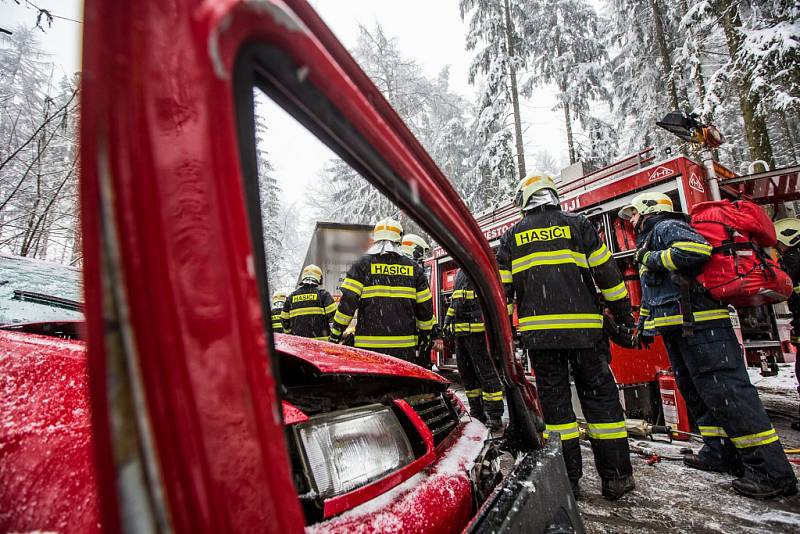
x=740, y=271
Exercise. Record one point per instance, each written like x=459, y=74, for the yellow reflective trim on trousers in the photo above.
x=330, y=308
x=677, y=320
x=426, y=325
x=424, y=296
x=473, y=393
x=550, y=257
x=506, y=277
x=342, y=318
x=691, y=246
x=491, y=396
x=567, y=430
x=352, y=285
x=560, y=321
x=311, y=310
x=388, y=342
x=755, y=440
x=615, y=430
x=712, y=432
x=617, y=292
x=469, y=328
x=599, y=256
x=666, y=260
x=644, y=312
x=450, y=312
x=395, y=292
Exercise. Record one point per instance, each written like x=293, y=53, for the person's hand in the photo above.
x=641, y=256
x=335, y=338
x=449, y=329
x=641, y=341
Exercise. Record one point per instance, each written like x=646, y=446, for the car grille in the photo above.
x=436, y=412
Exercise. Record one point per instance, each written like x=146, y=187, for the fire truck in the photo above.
x=763, y=331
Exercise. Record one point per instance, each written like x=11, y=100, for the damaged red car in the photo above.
x=179, y=410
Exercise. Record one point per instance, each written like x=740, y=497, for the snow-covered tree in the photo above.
x=501, y=51
x=38, y=153
x=568, y=52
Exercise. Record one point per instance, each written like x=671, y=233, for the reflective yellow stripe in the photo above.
x=395, y=292
x=342, y=318
x=426, y=325
x=506, y=277
x=691, y=246
x=617, y=292
x=284, y=315
x=797, y=289
x=493, y=396
x=466, y=294
x=321, y=338
x=469, y=328
x=451, y=312
x=615, y=430
x=599, y=256
x=330, y=308
x=391, y=342
x=423, y=296
x=473, y=393
x=510, y=308
x=335, y=331
x=552, y=257
x=666, y=260
x=567, y=430
x=561, y=321
x=755, y=440
x=352, y=285
x=699, y=317
x=311, y=310
x=644, y=312
x=712, y=432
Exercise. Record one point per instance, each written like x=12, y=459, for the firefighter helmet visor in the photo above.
x=788, y=231
x=415, y=247
x=645, y=204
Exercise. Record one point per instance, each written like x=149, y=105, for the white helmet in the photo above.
x=531, y=184
x=415, y=247
x=312, y=273
x=788, y=231
x=388, y=229
x=646, y=203
x=278, y=298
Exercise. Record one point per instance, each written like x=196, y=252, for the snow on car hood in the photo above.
x=339, y=359
x=52, y=279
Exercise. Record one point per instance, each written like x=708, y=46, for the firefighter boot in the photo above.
x=614, y=488
x=576, y=488
x=495, y=425
x=761, y=489
x=716, y=459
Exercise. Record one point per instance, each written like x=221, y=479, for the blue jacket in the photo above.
x=674, y=250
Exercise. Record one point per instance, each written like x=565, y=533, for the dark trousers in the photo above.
x=599, y=398
x=408, y=354
x=481, y=382
x=710, y=373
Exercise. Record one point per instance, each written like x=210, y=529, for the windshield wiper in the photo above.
x=49, y=300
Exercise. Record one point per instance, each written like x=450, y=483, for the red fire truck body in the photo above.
x=599, y=195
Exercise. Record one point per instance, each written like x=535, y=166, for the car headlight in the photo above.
x=351, y=448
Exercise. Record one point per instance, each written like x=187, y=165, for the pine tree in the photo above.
x=269, y=194
x=501, y=51
x=569, y=53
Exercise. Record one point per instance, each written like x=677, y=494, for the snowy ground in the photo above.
x=672, y=498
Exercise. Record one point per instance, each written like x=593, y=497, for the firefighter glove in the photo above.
x=641, y=256
x=449, y=329
x=335, y=338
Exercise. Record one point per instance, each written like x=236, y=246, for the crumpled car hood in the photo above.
x=338, y=359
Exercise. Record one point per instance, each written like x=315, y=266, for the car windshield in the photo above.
x=38, y=291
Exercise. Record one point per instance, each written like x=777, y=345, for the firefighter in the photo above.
x=278, y=300
x=390, y=293
x=788, y=233
x=416, y=248
x=464, y=320
x=704, y=352
x=308, y=311
x=552, y=263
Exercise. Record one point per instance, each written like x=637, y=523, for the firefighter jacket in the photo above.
x=308, y=312
x=675, y=254
x=391, y=294
x=552, y=263
x=277, y=320
x=790, y=262
x=465, y=308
